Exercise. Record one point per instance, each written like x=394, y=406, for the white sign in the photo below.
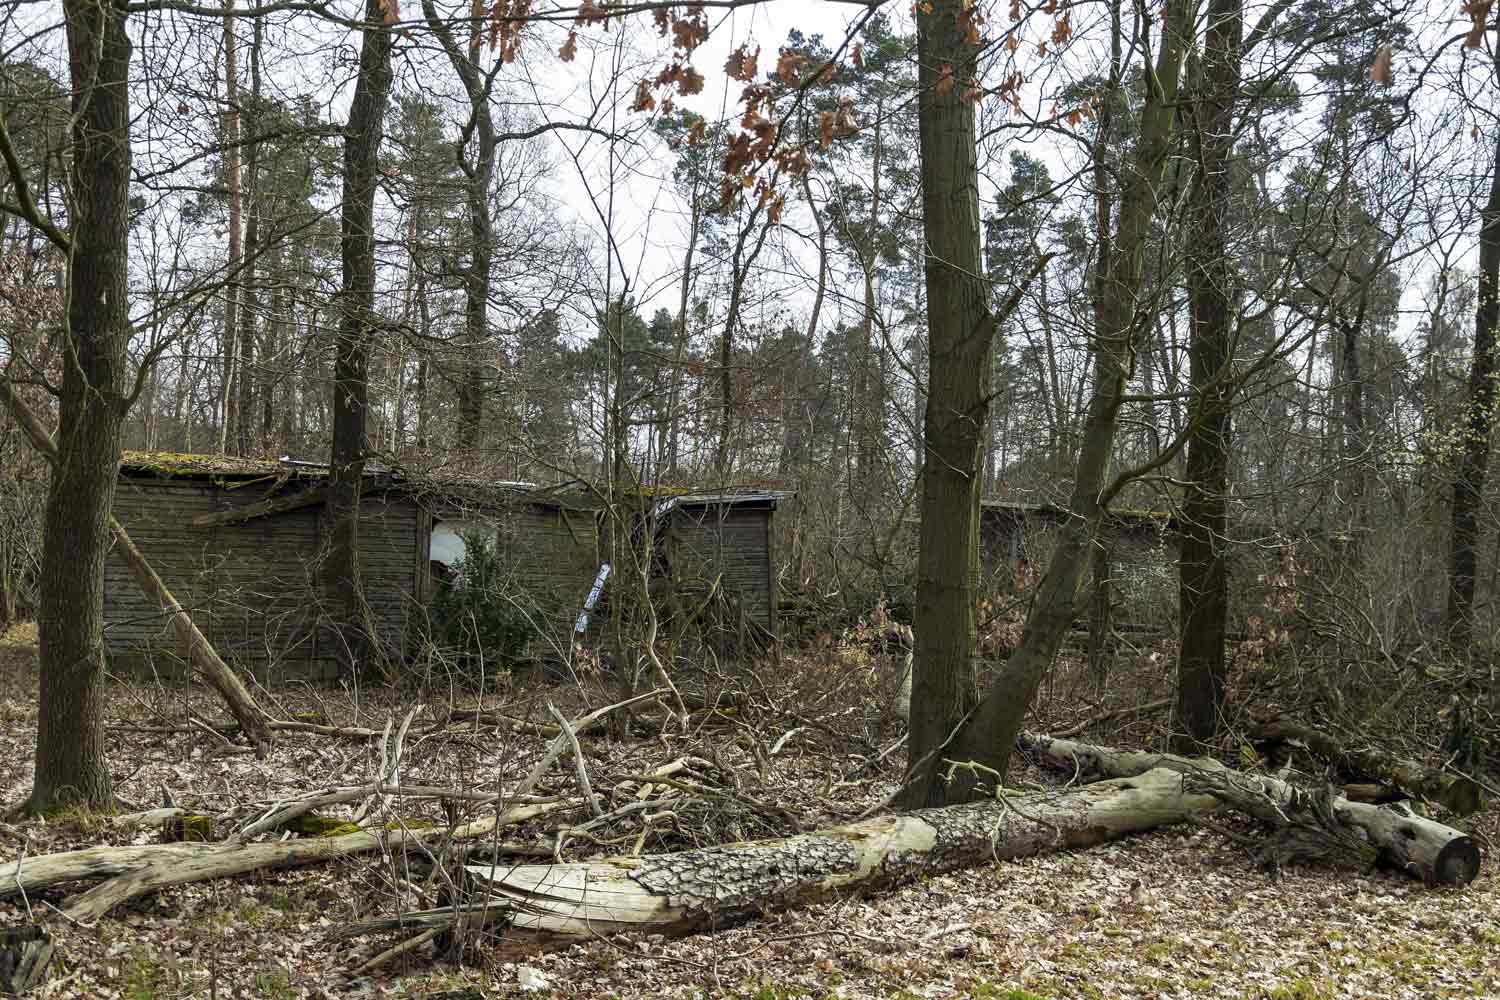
x=593, y=599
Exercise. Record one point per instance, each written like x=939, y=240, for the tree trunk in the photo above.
x=1324, y=827
x=707, y=888
x=249, y=303
x=1203, y=584
x=1455, y=792
x=201, y=655
x=1468, y=482
x=70, y=760
x=356, y=321
x=232, y=176
x=480, y=173
x=1101, y=618
x=990, y=733
x=960, y=331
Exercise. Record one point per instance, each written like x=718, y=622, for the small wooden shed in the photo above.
x=728, y=538
x=241, y=542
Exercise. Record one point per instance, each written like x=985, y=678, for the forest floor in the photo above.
x=1179, y=913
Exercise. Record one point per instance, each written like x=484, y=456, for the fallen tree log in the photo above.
x=1309, y=821
x=1457, y=793
x=136, y=870
x=554, y=905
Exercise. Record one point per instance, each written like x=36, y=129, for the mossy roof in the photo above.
x=171, y=464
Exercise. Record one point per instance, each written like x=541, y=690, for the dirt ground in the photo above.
x=1180, y=913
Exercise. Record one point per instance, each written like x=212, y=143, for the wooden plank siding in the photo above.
x=247, y=585
x=548, y=555
x=733, y=544
x=253, y=586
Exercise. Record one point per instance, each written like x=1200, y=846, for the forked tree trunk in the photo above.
x=556, y=905
x=990, y=732
x=480, y=172
x=70, y=760
x=1203, y=584
x=356, y=320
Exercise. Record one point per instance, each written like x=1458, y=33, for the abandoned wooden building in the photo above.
x=241, y=543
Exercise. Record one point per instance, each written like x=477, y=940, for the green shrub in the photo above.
x=471, y=620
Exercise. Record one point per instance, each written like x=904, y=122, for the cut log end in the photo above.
x=1457, y=864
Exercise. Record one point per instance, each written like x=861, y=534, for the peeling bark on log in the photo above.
x=1457, y=793
x=553, y=905
x=1421, y=847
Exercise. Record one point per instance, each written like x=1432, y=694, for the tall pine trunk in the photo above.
x=232, y=270
x=70, y=758
x=1203, y=586
x=356, y=321
x=250, y=304
x=1479, y=422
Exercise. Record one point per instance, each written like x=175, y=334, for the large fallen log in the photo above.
x=553, y=905
x=1313, y=823
x=1457, y=793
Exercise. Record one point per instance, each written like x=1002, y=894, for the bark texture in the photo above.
x=1311, y=824
x=70, y=760
x=1479, y=421
x=554, y=905
x=960, y=332
x=1203, y=583
x=356, y=324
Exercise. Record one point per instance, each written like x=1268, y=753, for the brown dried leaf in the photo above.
x=643, y=99
x=742, y=64
x=569, y=48
x=1479, y=11
x=689, y=32
x=857, y=55
x=945, y=80
x=789, y=66
x=1380, y=69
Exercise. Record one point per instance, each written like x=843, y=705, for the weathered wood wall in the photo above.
x=736, y=542
x=252, y=586
x=551, y=553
